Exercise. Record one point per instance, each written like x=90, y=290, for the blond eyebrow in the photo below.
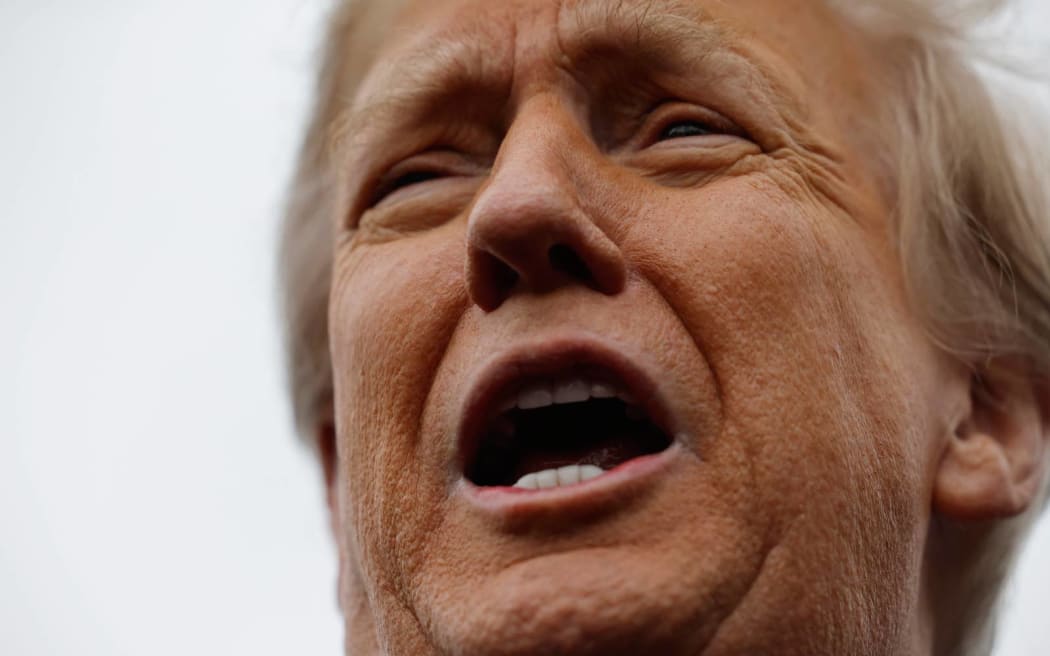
x=445, y=69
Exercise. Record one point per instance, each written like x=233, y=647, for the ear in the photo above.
x=994, y=462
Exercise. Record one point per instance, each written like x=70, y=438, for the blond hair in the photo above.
x=972, y=227
x=972, y=223
x=973, y=208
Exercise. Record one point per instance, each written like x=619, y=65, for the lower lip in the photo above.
x=616, y=485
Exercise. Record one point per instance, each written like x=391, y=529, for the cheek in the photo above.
x=808, y=339
x=392, y=309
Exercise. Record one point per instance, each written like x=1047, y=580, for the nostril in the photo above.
x=565, y=260
x=504, y=277
x=491, y=280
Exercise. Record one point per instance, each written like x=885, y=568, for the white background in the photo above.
x=153, y=500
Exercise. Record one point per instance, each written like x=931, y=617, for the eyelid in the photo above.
x=438, y=164
x=389, y=184
x=669, y=113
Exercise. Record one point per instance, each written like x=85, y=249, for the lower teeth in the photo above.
x=561, y=477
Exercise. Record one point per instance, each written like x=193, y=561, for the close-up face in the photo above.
x=622, y=358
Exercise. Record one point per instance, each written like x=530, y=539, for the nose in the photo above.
x=528, y=231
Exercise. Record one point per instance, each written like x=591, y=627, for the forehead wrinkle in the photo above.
x=666, y=28
x=677, y=34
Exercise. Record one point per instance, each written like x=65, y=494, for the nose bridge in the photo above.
x=534, y=162
x=527, y=230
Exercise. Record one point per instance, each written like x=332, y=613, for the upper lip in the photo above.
x=550, y=358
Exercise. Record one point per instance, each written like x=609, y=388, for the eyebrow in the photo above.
x=658, y=29
x=448, y=68
x=451, y=68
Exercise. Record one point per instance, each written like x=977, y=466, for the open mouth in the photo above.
x=547, y=433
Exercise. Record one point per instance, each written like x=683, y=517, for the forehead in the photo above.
x=794, y=65
x=792, y=73
x=794, y=42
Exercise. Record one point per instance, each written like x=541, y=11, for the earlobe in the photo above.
x=993, y=464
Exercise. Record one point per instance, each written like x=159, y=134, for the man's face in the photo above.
x=645, y=240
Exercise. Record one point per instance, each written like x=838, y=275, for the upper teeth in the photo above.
x=568, y=475
x=541, y=395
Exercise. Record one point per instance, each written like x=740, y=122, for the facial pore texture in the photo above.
x=745, y=266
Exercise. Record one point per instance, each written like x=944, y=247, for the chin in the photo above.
x=609, y=600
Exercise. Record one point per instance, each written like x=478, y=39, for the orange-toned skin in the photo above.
x=747, y=269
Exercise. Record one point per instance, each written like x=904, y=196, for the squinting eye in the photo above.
x=406, y=180
x=684, y=129
x=411, y=178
